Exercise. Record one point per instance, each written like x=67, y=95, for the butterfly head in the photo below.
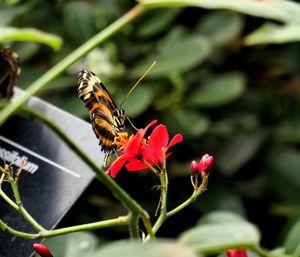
x=119, y=119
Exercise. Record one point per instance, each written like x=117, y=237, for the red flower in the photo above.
x=236, y=253
x=194, y=167
x=158, y=142
x=138, y=151
x=42, y=250
x=206, y=163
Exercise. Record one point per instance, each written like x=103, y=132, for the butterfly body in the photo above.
x=106, y=118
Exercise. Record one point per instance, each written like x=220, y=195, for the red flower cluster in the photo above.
x=204, y=165
x=138, y=153
x=42, y=250
x=236, y=253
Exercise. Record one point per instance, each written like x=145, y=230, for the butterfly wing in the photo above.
x=101, y=107
x=91, y=89
x=9, y=67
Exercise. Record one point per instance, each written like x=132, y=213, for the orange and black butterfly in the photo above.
x=106, y=118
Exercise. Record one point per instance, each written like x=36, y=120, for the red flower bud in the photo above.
x=194, y=167
x=236, y=253
x=42, y=250
x=206, y=163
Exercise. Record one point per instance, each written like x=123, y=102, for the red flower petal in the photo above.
x=159, y=137
x=175, y=140
x=134, y=145
x=116, y=166
x=152, y=155
x=136, y=165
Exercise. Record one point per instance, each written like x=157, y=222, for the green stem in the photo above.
x=146, y=220
x=15, y=189
x=163, y=200
x=162, y=218
x=17, y=233
x=8, y=200
x=184, y=204
x=134, y=226
x=197, y=192
x=29, y=218
x=120, y=221
x=21, y=208
x=40, y=83
x=50, y=233
x=164, y=192
x=263, y=253
x=156, y=172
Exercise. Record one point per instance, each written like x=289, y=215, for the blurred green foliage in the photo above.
x=228, y=96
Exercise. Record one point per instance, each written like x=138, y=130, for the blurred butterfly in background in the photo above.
x=106, y=117
x=9, y=72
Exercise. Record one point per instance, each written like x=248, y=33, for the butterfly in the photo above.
x=106, y=117
x=9, y=72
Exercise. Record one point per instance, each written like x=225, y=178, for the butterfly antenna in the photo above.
x=132, y=124
x=135, y=85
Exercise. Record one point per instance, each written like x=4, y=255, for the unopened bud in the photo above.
x=42, y=250
x=194, y=167
x=206, y=163
x=236, y=253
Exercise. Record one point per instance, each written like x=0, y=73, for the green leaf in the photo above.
x=71, y=104
x=72, y=245
x=30, y=34
x=271, y=33
x=219, y=91
x=178, y=57
x=238, y=150
x=284, y=176
x=217, y=234
x=8, y=14
x=287, y=132
x=159, y=248
x=187, y=122
x=155, y=22
x=217, y=217
x=79, y=19
x=221, y=27
x=138, y=101
x=292, y=241
x=281, y=10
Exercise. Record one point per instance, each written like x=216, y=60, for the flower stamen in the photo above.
x=121, y=140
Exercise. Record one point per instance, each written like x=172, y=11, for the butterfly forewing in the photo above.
x=106, y=118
